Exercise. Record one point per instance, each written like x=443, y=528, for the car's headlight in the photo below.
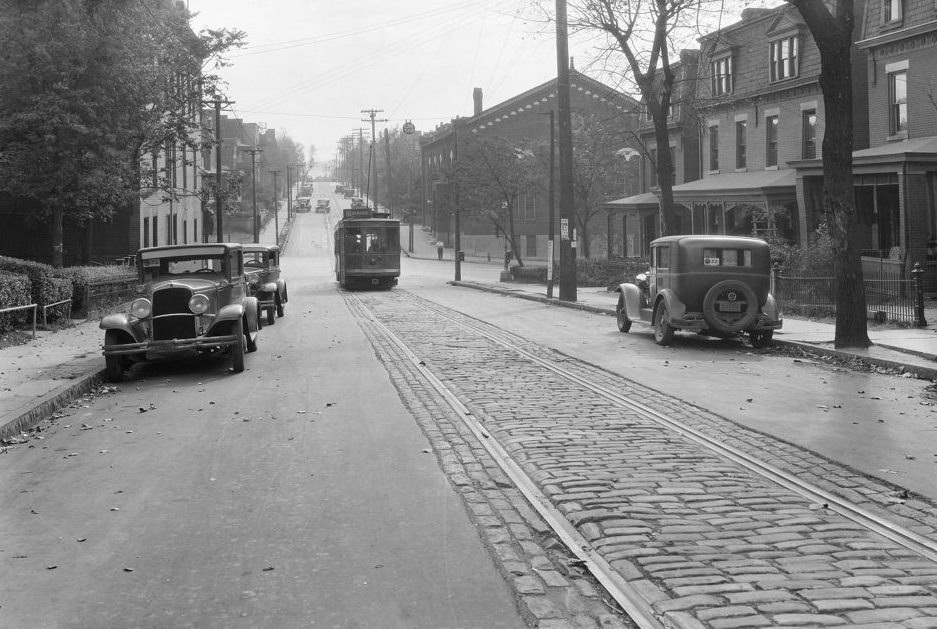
x=141, y=308
x=198, y=304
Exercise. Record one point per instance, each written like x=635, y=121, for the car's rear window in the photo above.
x=727, y=257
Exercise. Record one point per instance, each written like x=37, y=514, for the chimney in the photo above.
x=477, y=96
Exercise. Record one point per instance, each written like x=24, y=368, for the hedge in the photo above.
x=83, y=277
x=608, y=273
x=42, y=287
x=14, y=291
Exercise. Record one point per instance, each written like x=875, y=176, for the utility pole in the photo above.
x=289, y=192
x=455, y=193
x=371, y=155
x=390, y=200
x=276, y=208
x=219, y=201
x=253, y=153
x=551, y=229
x=567, y=218
x=360, y=158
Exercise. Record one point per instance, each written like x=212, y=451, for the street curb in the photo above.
x=925, y=373
x=921, y=372
x=539, y=298
x=51, y=402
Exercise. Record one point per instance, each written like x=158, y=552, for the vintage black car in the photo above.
x=193, y=300
x=712, y=285
x=262, y=265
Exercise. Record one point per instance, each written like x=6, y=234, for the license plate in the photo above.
x=730, y=306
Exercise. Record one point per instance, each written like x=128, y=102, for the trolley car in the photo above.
x=367, y=249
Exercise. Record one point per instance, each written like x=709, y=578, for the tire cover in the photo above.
x=720, y=292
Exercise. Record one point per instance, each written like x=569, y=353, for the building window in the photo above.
x=810, y=134
x=891, y=11
x=155, y=166
x=741, y=127
x=771, y=141
x=898, y=102
x=195, y=237
x=714, y=147
x=185, y=232
x=526, y=207
x=784, y=57
x=155, y=232
x=146, y=232
x=721, y=76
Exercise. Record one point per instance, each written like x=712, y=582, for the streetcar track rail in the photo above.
x=921, y=545
x=631, y=600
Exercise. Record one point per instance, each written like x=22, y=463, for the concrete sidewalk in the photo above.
x=58, y=367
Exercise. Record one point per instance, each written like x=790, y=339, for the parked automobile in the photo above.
x=712, y=285
x=193, y=300
x=348, y=194
x=357, y=204
x=262, y=265
x=303, y=204
x=322, y=205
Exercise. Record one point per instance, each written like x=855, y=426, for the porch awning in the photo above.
x=737, y=187
x=917, y=149
x=637, y=201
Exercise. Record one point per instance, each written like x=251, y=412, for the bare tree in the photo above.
x=831, y=24
x=492, y=173
x=646, y=33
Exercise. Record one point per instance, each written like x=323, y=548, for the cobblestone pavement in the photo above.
x=706, y=543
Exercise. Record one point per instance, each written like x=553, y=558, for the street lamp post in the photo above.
x=276, y=208
x=253, y=153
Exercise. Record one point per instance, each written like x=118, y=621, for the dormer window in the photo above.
x=720, y=71
x=785, y=58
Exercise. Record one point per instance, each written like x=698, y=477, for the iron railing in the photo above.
x=888, y=296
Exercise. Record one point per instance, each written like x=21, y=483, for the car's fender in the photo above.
x=281, y=290
x=123, y=322
x=675, y=307
x=770, y=309
x=632, y=298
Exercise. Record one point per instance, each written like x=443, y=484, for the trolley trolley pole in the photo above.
x=371, y=155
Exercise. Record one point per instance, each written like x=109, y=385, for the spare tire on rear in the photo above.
x=730, y=306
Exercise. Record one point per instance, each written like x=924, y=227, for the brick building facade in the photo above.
x=521, y=118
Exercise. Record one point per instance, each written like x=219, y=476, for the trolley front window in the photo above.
x=352, y=240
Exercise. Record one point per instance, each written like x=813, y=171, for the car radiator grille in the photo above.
x=172, y=301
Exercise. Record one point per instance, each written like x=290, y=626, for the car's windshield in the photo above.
x=255, y=259
x=159, y=268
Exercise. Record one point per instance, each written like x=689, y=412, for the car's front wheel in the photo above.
x=237, y=350
x=663, y=331
x=114, y=366
x=621, y=315
x=250, y=342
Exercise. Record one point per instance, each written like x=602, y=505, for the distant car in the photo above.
x=348, y=194
x=322, y=205
x=194, y=300
x=262, y=266
x=357, y=203
x=712, y=285
x=303, y=204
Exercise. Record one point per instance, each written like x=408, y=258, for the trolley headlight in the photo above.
x=198, y=304
x=141, y=308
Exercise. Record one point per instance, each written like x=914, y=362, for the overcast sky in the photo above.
x=312, y=66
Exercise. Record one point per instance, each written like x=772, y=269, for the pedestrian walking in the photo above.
x=439, y=249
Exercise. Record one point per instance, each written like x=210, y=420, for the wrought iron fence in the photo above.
x=888, y=297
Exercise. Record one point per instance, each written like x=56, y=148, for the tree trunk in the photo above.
x=834, y=40
x=664, y=175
